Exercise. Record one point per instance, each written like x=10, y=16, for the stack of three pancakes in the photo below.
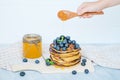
x=66, y=58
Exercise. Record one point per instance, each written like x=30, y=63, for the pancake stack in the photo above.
x=65, y=52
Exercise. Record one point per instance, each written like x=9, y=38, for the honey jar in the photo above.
x=32, y=46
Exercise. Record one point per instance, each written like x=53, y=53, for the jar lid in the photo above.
x=32, y=38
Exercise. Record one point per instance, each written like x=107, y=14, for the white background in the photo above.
x=19, y=17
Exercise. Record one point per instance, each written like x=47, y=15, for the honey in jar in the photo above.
x=32, y=46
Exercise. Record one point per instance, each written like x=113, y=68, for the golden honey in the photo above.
x=32, y=46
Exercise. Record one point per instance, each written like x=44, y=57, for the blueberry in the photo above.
x=73, y=42
x=77, y=46
x=84, y=60
x=61, y=44
x=68, y=37
x=64, y=48
x=74, y=72
x=22, y=73
x=66, y=45
x=54, y=46
x=57, y=48
x=54, y=41
x=58, y=39
x=25, y=60
x=48, y=63
x=69, y=41
x=83, y=63
x=37, y=61
x=65, y=41
x=86, y=71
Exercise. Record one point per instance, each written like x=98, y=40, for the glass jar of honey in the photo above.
x=32, y=46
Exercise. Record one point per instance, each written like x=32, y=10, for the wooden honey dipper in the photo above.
x=65, y=14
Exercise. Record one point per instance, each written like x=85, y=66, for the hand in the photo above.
x=89, y=7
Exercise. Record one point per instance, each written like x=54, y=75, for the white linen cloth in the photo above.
x=11, y=59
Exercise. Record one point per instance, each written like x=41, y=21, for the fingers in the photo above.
x=87, y=16
x=83, y=13
x=81, y=9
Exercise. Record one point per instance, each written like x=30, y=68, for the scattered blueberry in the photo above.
x=37, y=61
x=77, y=46
x=83, y=63
x=74, y=72
x=68, y=37
x=84, y=60
x=64, y=48
x=48, y=63
x=22, y=73
x=86, y=71
x=25, y=60
x=73, y=42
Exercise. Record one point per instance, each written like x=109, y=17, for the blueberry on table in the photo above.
x=84, y=60
x=74, y=72
x=25, y=60
x=83, y=64
x=22, y=74
x=86, y=71
x=37, y=61
x=48, y=63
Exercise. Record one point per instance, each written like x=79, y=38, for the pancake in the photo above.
x=67, y=59
x=65, y=64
